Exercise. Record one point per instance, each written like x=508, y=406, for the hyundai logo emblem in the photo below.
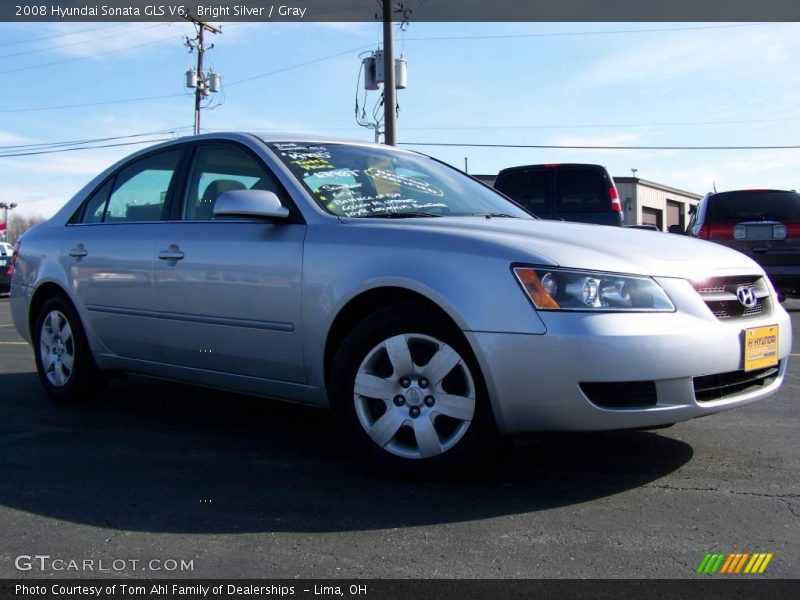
x=746, y=296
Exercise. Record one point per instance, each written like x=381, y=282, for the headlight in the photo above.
x=564, y=289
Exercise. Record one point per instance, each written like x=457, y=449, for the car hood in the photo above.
x=584, y=246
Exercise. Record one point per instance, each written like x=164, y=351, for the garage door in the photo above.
x=674, y=213
x=652, y=216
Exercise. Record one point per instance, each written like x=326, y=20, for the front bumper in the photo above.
x=534, y=380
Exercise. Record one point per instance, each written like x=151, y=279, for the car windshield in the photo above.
x=754, y=205
x=368, y=181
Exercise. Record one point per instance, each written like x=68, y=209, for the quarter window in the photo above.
x=95, y=208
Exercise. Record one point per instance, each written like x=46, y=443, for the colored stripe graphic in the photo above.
x=722, y=563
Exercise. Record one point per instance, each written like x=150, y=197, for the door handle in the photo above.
x=171, y=253
x=78, y=252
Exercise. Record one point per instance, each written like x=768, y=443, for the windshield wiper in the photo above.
x=403, y=215
x=494, y=215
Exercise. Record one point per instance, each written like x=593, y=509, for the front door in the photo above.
x=230, y=289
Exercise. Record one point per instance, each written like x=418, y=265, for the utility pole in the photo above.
x=381, y=68
x=389, y=97
x=202, y=85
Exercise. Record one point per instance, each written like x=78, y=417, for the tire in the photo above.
x=425, y=410
x=64, y=361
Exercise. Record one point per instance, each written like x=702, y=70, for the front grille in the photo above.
x=719, y=294
x=727, y=385
x=621, y=394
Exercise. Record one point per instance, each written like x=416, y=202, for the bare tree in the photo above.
x=19, y=224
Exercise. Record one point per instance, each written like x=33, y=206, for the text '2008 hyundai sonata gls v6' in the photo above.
x=427, y=310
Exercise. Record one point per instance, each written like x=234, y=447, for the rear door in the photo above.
x=230, y=290
x=108, y=251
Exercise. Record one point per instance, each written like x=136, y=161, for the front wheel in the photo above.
x=408, y=387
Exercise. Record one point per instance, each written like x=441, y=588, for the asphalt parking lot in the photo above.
x=243, y=487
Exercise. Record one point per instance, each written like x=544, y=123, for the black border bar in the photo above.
x=412, y=10
x=705, y=587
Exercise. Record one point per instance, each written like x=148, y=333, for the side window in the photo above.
x=223, y=168
x=690, y=226
x=140, y=189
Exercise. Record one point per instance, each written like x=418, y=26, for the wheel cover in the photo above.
x=57, y=348
x=414, y=396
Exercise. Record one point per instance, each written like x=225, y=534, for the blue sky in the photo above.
x=578, y=84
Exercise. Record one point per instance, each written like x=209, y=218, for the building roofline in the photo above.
x=656, y=186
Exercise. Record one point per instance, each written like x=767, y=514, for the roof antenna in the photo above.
x=714, y=185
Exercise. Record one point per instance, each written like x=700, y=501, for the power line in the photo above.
x=58, y=35
x=298, y=65
x=606, y=125
x=165, y=96
x=79, y=42
x=151, y=141
x=74, y=58
x=328, y=57
x=564, y=125
x=42, y=145
x=448, y=144
x=599, y=147
x=580, y=33
x=88, y=104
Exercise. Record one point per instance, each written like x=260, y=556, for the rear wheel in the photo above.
x=63, y=360
x=407, y=386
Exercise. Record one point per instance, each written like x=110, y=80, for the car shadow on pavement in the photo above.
x=162, y=457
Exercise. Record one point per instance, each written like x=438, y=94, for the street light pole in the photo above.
x=6, y=206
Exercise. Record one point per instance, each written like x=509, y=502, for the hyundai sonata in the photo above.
x=429, y=311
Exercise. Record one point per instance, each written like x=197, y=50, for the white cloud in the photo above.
x=738, y=53
x=9, y=137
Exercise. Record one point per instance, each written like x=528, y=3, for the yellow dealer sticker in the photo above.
x=760, y=347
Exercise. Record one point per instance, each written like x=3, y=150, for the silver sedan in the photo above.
x=427, y=310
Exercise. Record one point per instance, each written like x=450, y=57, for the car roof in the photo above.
x=752, y=191
x=270, y=137
x=551, y=166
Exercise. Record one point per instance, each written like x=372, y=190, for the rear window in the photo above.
x=582, y=190
x=754, y=206
x=530, y=188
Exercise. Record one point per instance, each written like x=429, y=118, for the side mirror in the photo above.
x=250, y=203
x=676, y=229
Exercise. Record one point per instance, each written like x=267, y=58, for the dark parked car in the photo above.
x=568, y=192
x=763, y=224
x=6, y=254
